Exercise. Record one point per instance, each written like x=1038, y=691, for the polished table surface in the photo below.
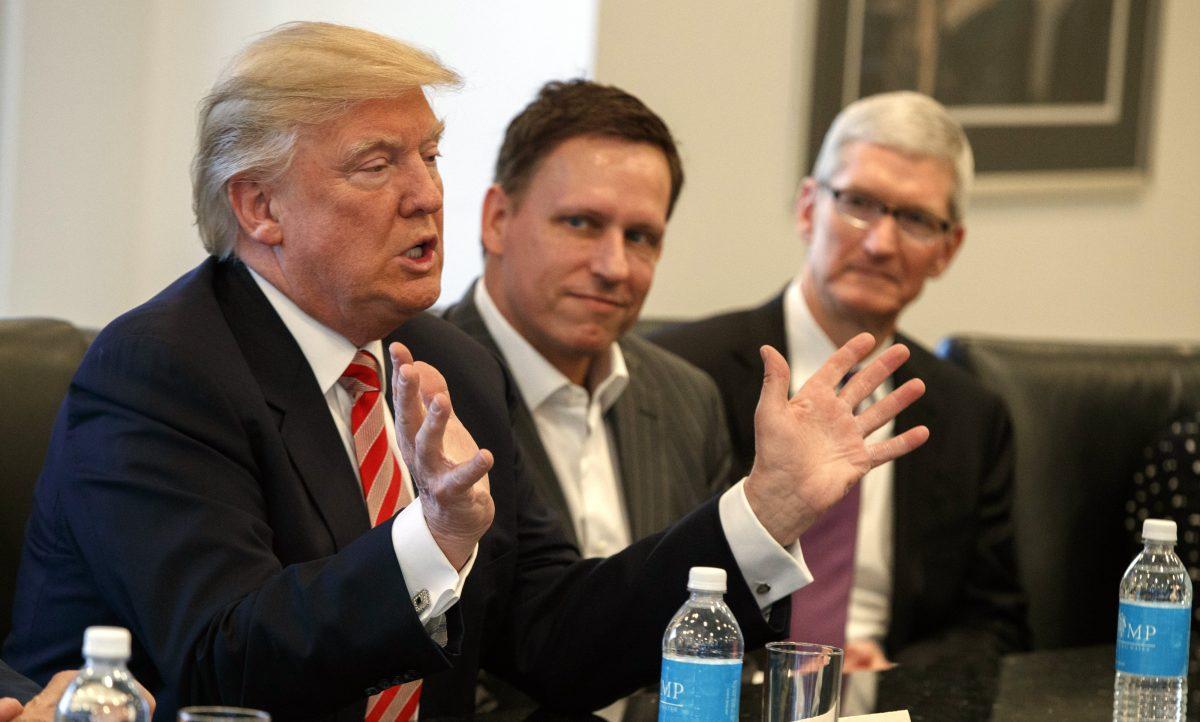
x=1062, y=685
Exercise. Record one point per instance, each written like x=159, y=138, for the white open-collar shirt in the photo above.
x=571, y=427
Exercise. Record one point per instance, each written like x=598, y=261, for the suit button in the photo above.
x=763, y=588
x=372, y=691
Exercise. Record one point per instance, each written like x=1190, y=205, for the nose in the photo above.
x=421, y=189
x=883, y=237
x=610, y=260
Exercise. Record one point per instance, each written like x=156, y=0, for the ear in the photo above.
x=806, y=200
x=498, y=207
x=948, y=251
x=251, y=203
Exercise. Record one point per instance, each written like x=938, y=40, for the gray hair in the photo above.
x=297, y=74
x=906, y=121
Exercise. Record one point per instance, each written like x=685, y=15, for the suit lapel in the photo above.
x=309, y=434
x=465, y=315
x=916, y=501
x=636, y=426
x=762, y=326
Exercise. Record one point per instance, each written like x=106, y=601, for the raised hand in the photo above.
x=447, y=466
x=811, y=448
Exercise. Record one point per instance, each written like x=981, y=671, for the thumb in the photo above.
x=466, y=474
x=777, y=379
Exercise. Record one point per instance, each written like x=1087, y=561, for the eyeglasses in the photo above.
x=863, y=211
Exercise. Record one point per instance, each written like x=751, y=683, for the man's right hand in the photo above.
x=446, y=464
x=42, y=707
x=810, y=449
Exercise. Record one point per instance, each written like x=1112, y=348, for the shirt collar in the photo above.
x=536, y=377
x=328, y=352
x=808, y=346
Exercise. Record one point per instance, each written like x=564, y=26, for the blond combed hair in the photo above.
x=295, y=75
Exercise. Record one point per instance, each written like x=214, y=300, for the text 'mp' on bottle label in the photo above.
x=692, y=689
x=1152, y=639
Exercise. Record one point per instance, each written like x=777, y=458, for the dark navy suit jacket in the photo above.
x=16, y=685
x=196, y=491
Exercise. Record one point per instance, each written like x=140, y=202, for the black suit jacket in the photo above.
x=954, y=582
x=196, y=491
x=16, y=685
x=672, y=441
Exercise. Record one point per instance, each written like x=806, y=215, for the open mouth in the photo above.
x=421, y=251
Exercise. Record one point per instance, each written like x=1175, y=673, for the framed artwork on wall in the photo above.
x=1050, y=92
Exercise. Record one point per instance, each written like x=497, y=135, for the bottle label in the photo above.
x=1152, y=639
x=699, y=689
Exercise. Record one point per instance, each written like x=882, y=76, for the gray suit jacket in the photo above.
x=672, y=440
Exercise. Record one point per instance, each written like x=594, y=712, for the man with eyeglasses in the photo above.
x=916, y=564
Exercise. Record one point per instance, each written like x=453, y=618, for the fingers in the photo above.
x=890, y=406
x=889, y=449
x=429, y=436
x=43, y=705
x=400, y=354
x=845, y=358
x=9, y=709
x=406, y=398
x=432, y=381
x=457, y=477
x=777, y=380
x=863, y=384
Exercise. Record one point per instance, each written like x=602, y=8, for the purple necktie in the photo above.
x=819, y=609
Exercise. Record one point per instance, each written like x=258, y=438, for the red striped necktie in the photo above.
x=385, y=493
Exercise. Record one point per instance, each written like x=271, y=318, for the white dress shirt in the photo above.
x=579, y=443
x=570, y=422
x=328, y=353
x=807, y=349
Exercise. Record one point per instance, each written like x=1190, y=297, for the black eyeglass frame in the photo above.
x=943, y=226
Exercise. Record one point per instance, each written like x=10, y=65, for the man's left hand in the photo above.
x=811, y=448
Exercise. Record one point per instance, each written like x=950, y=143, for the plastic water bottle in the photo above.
x=1153, y=627
x=104, y=691
x=702, y=655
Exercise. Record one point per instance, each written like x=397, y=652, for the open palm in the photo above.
x=811, y=448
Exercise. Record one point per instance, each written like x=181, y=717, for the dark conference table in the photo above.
x=1063, y=685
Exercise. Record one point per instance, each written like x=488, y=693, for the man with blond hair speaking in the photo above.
x=226, y=479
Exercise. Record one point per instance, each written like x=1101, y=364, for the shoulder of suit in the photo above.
x=185, y=314
x=723, y=326
x=647, y=359
x=438, y=335
x=944, y=377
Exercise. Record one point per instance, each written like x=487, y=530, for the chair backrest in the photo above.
x=38, y=357
x=1082, y=415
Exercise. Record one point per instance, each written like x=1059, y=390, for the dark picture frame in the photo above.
x=1060, y=90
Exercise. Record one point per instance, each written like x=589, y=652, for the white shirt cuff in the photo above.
x=772, y=571
x=424, y=566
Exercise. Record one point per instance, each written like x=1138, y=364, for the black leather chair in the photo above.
x=1083, y=414
x=38, y=357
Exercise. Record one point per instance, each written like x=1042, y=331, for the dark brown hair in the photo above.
x=568, y=109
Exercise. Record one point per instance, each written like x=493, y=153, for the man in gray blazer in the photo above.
x=623, y=437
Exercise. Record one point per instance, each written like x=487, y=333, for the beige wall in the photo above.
x=732, y=81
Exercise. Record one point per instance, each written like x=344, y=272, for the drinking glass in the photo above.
x=222, y=714
x=804, y=681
